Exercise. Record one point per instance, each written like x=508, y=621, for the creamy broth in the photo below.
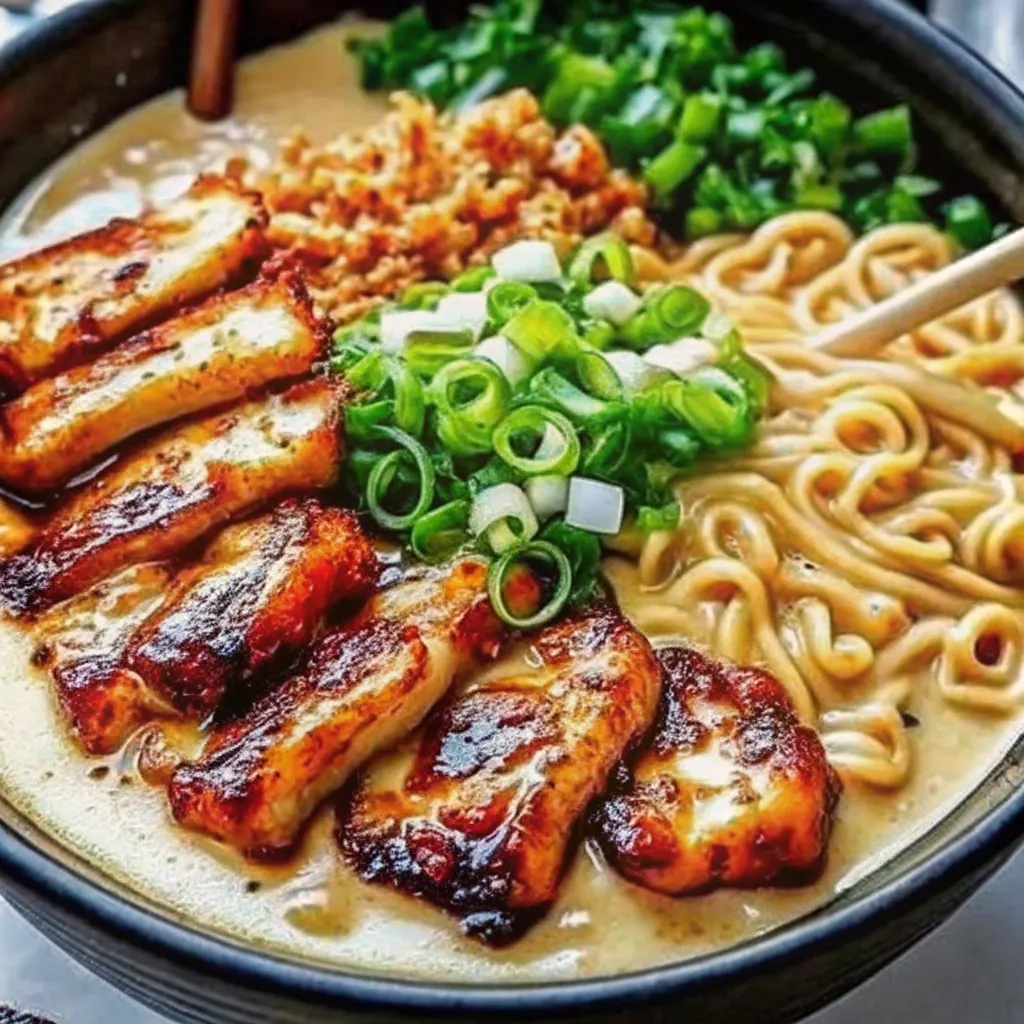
x=314, y=907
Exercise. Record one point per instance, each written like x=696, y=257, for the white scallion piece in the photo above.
x=716, y=326
x=595, y=506
x=516, y=366
x=612, y=301
x=398, y=326
x=683, y=356
x=634, y=373
x=464, y=311
x=532, y=261
x=548, y=495
x=504, y=513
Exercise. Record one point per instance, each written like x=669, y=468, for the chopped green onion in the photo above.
x=666, y=517
x=548, y=495
x=541, y=328
x=423, y=295
x=712, y=403
x=472, y=397
x=671, y=167
x=886, y=132
x=427, y=351
x=551, y=389
x=614, y=302
x=607, y=254
x=505, y=515
x=387, y=377
x=384, y=473
x=968, y=221
x=538, y=550
x=667, y=313
x=472, y=280
x=699, y=120
x=362, y=421
x=532, y=420
x=507, y=298
x=441, y=532
x=607, y=451
x=583, y=550
x=597, y=377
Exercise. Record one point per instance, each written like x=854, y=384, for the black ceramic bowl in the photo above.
x=74, y=74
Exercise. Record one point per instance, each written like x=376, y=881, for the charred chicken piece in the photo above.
x=69, y=301
x=478, y=812
x=176, y=489
x=213, y=355
x=732, y=790
x=82, y=643
x=365, y=685
x=257, y=595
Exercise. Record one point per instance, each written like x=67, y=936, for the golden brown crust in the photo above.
x=176, y=489
x=364, y=686
x=479, y=812
x=215, y=354
x=64, y=303
x=258, y=595
x=82, y=642
x=731, y=791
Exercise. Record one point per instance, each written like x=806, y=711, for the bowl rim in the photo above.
x=37, y=871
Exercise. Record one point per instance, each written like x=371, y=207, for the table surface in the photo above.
x=968, y=969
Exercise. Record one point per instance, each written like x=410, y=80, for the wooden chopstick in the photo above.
x=933, y=296
x=212, y=72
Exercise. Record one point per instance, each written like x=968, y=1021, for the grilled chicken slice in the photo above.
x=258, y=595
x=82, y=643
x=478, y=812
x=64, y=303
x=365, y=685
x=176, y=489
x=732, y=791
x=208, y=357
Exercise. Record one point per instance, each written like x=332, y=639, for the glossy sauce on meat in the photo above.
x=729, y=790
x=255, y=598
x=483, y=821
x=364, y=686
x=176, y=488
x=74, y=298
x=222, y=351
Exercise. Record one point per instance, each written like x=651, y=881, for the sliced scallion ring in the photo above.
x=540, y=329
x=534, y=420
x=608, y=251
x=504, y=515
x=598, y=377
x=506, y=298
x=537, y=550
x=472, y=397
x=383, y=474
x=441, y=532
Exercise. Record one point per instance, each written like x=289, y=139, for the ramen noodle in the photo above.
x=867, y=545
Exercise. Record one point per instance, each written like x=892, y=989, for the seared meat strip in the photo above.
x=208, y=357
x=365, y=685
x=62, y=304
x=259, y=592
x=178, y=487
x=732, y=791
x=82, y=642
x=478, y=812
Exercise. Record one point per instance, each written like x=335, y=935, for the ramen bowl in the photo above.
x=72, y=75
